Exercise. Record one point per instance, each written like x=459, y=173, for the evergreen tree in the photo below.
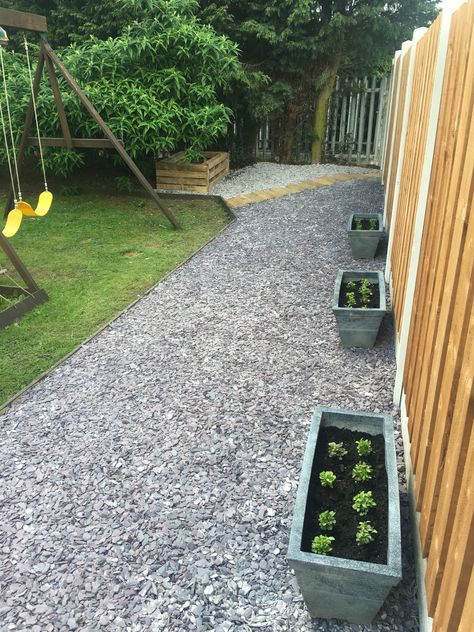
x=301, y=45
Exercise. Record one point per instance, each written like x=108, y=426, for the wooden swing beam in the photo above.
x=48, y=58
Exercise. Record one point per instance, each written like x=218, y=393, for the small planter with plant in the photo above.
x=365, y=231
x=192, y=170
x=345, y=545
x=359, y=306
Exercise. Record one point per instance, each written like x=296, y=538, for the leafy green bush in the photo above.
x=124, y=183
x=156, y=84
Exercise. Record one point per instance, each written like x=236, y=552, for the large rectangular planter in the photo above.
x=359, y=327
x=176, y=175
x=364, y=243
x=334, y=587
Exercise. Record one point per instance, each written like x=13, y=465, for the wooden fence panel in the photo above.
x=398, y=122
x=438, y=367
x=425, y=59
x=423, y=368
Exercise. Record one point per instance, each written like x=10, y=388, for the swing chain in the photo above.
x=7, y=103
x=33, y=98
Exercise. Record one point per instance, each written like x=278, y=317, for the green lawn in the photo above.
x=94, y=255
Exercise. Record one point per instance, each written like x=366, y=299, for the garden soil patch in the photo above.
x=365, y=223
x=374, y=302
x=340, y=497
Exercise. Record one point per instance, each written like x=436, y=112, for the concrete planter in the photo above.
x=335, y=587
x=364, y=242
x=358, y=327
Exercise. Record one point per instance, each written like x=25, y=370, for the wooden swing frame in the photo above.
x=48, y=58
x=37, y=23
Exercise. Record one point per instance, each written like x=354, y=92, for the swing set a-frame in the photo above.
x=15, y=207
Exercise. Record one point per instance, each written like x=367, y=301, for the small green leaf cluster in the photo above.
x=373, y=224
x=365, y=533
x=327, y=520
x=124, y=183
x=362, y=472
x=358, y=223
x=365, y=291
x=336, y=450
x=363, y=503
x=327, y=478
x=321, y=544
x=350, y=300
x=364, y=447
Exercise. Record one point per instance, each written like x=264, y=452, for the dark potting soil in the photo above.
x=365, y=223
x=374, y=301
x=339, y=498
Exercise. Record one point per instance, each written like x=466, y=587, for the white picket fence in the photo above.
x=356, y=122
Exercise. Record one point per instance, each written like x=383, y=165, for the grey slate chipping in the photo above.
x=162, y=459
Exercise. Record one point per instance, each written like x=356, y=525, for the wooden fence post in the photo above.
x=422, y=198
x=417, y=35
x=394, y=97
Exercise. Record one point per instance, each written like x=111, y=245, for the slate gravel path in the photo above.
x=148, y=483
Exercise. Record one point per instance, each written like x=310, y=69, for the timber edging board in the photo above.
x=13, y=314
x=174, y=174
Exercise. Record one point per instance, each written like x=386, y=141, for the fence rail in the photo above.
x=428, y=175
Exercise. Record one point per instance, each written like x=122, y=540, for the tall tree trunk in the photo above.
x=320, y=115
x=249, y=139
x=287, y=133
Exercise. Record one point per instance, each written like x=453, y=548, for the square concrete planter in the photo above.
x=364, y=243
x=358, y=327
x=335, y=587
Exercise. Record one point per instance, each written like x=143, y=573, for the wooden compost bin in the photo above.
x=173, y=173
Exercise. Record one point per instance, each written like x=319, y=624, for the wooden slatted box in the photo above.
x=174, y=174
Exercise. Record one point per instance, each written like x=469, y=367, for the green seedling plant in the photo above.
x=365, y=291
x=364, y=447
x=358, y=223
x=363, y=503
x=336, y=450
x=321, y=544
x=365, y=533
x=362, y=472
x=327, y=478
x=373, y=224
x=124, y=183
x=350, y=299
x=351, y=286
x=327, y=520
